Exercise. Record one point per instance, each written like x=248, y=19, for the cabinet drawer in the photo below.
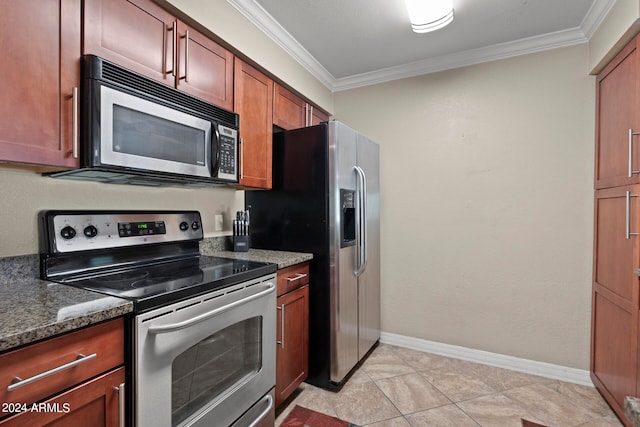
x=292, y=277
x=93, y=403
x=68, y=359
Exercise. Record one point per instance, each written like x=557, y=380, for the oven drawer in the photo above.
x=292, y=277
x=58, y=363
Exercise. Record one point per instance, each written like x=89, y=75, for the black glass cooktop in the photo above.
x=155, y=285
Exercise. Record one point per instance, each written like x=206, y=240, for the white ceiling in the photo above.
x=351, y=43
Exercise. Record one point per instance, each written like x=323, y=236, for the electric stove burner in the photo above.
x=150, y=286
x=125, y=278
x=142, y=283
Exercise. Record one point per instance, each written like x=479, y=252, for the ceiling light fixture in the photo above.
x=429, y=15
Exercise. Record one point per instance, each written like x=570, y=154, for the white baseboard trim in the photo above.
x=543, y=369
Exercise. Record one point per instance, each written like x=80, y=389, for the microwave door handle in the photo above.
x=216, y=135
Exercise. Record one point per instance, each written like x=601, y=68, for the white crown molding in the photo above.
x=594, y=17
x=464, y=58
x=532, y=367
x=265, y=22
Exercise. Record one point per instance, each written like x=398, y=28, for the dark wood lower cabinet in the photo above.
x=292, y=342
x=94, y=403
x=616, y=295
x=291, y=354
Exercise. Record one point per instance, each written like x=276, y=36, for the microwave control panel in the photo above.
x=228, y=163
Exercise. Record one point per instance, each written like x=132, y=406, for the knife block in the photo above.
x=240, y=243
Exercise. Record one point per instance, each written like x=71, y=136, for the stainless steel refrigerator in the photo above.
x=326, y=200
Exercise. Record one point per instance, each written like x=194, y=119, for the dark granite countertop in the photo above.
x=281, y=258
x=32, y=309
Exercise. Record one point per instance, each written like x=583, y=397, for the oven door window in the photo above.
x=145, y=135
x=205, y=372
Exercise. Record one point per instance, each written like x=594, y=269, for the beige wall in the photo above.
x=487, y=204
x=24, y=193
x=619, y=26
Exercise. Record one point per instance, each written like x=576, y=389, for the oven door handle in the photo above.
x=163, y=329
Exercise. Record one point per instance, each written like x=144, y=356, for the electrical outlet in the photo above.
x=218, y=222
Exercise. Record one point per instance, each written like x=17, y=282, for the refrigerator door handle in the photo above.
x=361, y=228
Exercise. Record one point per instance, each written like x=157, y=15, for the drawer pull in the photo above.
x=296, y=277
x=19, y=382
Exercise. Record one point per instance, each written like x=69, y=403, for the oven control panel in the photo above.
x=71, y=231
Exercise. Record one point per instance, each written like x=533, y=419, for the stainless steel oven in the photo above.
x=215, y=353
x=202, y=333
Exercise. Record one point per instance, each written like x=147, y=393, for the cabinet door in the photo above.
x=618, y=120
x=95, y=403
x=205, y=69
x=253, y=100
x=289, y=110
x=41, y=67
x=292, y=352
x=136, y=34
x=614, y=329
x=318, y=116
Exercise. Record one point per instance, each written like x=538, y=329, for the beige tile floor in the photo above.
x=398, y=387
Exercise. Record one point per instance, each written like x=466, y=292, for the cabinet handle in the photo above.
x=75, y=123
x=19, y=382
x=628, y=232
x=174, y=49
x=186, y=57
x=241, y=148
x=121, y=402
x=306, y=115
x=631, y=135
x=281, y=342
x=297, y=277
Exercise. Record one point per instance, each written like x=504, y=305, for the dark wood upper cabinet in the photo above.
x=292, y=112
x=618, y=120
x=205, y=69
x=141, y=36
x=253, y=100
x=41, y=47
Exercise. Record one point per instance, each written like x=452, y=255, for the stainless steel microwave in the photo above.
x=138, y=131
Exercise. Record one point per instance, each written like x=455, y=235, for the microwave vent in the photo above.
x=112, y=73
